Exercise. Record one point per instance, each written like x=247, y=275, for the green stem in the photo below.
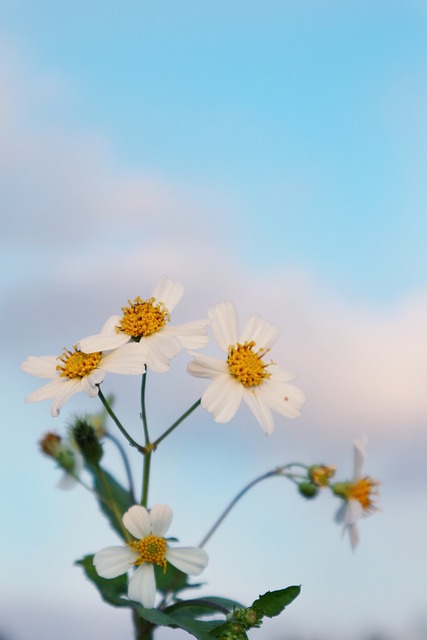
x=143, y=411
x=126, y=464
x=281, y=471
x=148, y=449
x=146, y=478
x=113, y=416
x=177, y=423
x=143, y=629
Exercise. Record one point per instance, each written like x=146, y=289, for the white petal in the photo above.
x=359, y=445
x=191, y=560
x=283, y=398
x=113, y=561
x=263, y=333
x=204, y=366
x=137, y=521
x=142, y=586
x=107, y=339
x=161, y=518
x=191, y=335
x=168, y=292
x=129, y=359
x=69, y=389
x=42, y=366
x=161, y=348
x=47, y=391
x=260, y=409
x=88, y=383
x=353, y=512
x=223, y=318
x=340, y=514
x=222, y=398
x=354, y=535
x=66, y=482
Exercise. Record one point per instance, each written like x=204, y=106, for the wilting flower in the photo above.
x=145, y=321
x=245, y=374
x=76, y=371
x=357, y=494
x=148, y=549
x=66, y=455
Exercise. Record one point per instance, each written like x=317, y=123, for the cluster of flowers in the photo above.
x=142, y=338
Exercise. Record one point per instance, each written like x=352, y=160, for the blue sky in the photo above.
x=271, y=153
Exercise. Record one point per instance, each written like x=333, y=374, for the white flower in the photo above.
x=76, y=371
x=145, y=322
x=357, y=494
x=244, y=375
x=149, y=548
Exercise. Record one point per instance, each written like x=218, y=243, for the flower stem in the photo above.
x=148, y=449
x=113, y=416
x=143, y=629
x=280, y=471
x=125, y=462
x=177, y=423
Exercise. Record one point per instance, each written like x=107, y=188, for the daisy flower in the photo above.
x=75, y=371
x=148, y=549
x=145, y=321
x=357, y=495
x=245, y=374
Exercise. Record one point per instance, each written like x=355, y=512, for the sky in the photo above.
x=268, y=153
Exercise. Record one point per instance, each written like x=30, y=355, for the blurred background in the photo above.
x=271, y=153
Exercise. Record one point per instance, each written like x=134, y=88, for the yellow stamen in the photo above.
x=362, y=491
x=246, y=365
x=77, y=364
x=151, y=549
x=320, y=475
x=143, y=317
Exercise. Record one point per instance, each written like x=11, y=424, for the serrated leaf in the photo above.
x=200, y=607
x=272, y=603
x=111, y=590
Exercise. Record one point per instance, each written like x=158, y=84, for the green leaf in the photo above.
x=199, y=607
x=273, y=602
x=172, y=580
x=111, y=590
x=199, y=630
x=110, y=490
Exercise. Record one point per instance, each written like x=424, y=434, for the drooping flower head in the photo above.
x=245, y=374
x=149, y=548
x=75, y=370
x=146, y=322
x=357, y=495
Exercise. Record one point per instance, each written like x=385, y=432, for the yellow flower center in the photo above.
x=76, y=364
x=246, y=365
x=143, y=317
x=151, y=549
x=362, y=491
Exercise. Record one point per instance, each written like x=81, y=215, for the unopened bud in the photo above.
x=87, y=441
x=308, y=489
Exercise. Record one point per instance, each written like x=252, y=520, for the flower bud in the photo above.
x=51, y=444
x=308, y=489
x=87, y=441
x=320, y=474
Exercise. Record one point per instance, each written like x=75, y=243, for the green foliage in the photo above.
x=172, y=580
x=111, y=590
x=268, y=605
x=110, y=492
